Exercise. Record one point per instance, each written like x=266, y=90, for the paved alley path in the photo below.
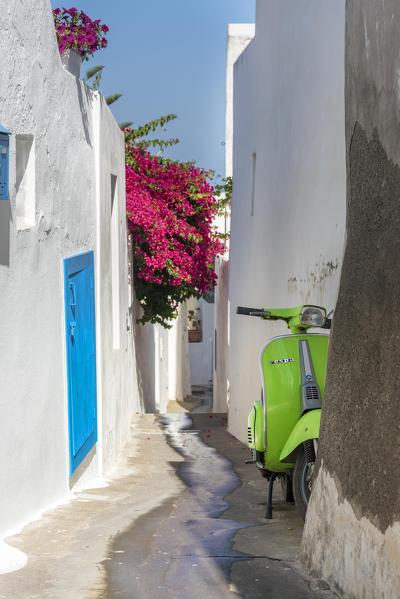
x=179, y=520
x=181, y=545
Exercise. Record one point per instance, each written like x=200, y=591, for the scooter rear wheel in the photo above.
x=302, y=479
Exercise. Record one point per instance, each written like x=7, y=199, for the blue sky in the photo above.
x=169, y=57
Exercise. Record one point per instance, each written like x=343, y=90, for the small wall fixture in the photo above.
x=4, y=161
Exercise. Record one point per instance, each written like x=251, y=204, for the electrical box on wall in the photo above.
x=4, y=161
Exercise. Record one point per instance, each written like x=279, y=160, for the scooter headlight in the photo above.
x=313, y=317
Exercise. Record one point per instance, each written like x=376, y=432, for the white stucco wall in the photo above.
x=286, y=237
x=162, y=363
x=201, y=354
x=353, y=555
x=178, y=358
x=221, y=322
x=239, y=36
x=115, y=349
x=77, y=147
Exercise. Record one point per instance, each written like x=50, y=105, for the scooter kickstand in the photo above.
x=268, y=512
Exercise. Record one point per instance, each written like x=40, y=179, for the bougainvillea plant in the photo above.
x=170, y=210
x=76, y=31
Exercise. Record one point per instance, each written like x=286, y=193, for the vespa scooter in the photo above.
x=283, y=427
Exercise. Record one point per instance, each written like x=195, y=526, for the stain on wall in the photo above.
x=311, y=284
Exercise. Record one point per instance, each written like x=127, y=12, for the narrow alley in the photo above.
x=178, y=519
x=199, y=285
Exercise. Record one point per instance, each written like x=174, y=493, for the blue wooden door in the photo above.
x=81, y=356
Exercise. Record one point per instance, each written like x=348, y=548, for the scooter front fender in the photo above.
x=306, y=428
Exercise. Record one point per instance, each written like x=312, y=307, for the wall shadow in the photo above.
x=83, y=106
x=5, y=221
x=143, y=337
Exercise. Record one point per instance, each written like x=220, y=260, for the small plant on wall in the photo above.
x=76, y=31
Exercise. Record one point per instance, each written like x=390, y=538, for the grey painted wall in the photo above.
x=352, y=530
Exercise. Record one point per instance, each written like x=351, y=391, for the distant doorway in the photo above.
x=81, y=356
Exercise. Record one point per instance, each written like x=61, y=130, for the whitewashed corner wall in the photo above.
x=77, y=147
x=201, y=354
x=239, y=35
x=162, y=363
x=179, y=366
x=289, y=180
x=117, y=360
x=221, y=339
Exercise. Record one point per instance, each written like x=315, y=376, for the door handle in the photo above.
x=72, y=327
x=72, y=302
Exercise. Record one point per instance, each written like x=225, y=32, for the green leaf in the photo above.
x=113, y=98
x=93, y=71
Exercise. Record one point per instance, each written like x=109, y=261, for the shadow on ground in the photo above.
x=211, y=540
x=180, y=518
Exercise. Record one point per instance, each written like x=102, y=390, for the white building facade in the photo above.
x=162, y=363
x=63, y=276
x=239, y=35
x=289, y=179
x=201, y=347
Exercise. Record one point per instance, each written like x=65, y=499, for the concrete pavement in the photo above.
x=272, y=569
x=181, y=518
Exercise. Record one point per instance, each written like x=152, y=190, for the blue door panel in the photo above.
x=81, y=355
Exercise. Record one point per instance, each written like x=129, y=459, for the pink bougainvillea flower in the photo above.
x=76, y=31
x=170, y=209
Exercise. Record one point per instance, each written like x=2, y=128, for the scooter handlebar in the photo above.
x=251, y=311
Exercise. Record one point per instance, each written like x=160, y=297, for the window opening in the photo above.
x=25, y=181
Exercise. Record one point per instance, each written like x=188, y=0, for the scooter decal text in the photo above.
x=283, y=361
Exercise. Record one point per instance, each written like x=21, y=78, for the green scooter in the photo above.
x=283, y=427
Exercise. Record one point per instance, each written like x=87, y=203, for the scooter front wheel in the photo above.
x=302, y=481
